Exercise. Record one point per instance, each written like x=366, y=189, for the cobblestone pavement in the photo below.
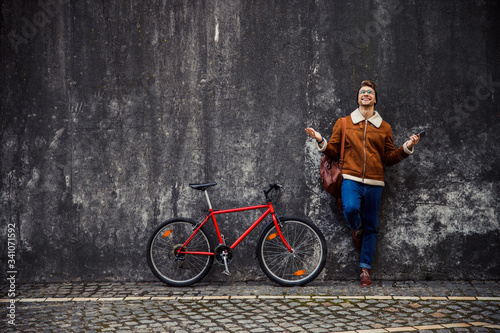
x=253, y=307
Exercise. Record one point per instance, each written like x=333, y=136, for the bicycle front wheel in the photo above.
x=172, y=268
x=304, y=263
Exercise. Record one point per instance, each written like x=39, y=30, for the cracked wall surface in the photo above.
x=110, y=109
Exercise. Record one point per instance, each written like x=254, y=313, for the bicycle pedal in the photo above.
x=226, y=272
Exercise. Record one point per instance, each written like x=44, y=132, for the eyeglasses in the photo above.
x=362, y=92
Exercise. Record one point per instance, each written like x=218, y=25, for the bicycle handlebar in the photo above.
x=271, y=187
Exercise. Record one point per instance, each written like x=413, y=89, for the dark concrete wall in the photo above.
x=110, y=108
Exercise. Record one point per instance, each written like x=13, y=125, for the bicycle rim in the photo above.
x=301, y=266
x=171, y=268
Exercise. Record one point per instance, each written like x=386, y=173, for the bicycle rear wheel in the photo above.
x=178, y=270
x=295, y=268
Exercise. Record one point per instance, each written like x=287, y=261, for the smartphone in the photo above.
x=422, y=134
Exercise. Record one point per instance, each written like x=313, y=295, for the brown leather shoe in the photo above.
x=356, y=238
x=366, y=280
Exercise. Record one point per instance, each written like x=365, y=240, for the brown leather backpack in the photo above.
x=331, y=171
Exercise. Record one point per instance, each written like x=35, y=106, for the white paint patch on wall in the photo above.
x=466, y=210
x=312, y=158
x=474, y=201
x=216, y=37
x=35, y=178
x=55, y=142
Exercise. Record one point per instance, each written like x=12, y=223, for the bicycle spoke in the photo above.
x=171, y=267
x=301, y=265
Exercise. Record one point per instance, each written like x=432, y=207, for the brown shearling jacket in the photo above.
x=368, y=147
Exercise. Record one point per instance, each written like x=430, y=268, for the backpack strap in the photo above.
x=341, y=159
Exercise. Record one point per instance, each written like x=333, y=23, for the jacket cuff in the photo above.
x=322, y=146
x=408, y=151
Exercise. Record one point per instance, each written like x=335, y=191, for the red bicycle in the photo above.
x=291, y=250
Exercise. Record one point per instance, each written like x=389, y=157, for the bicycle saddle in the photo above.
x=202, y=187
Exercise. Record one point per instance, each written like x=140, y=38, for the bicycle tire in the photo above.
x=306, y=261
x=174, y=270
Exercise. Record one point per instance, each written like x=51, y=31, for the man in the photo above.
x=368, y=147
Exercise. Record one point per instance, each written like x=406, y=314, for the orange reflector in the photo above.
x=272, y=236
x=298, y=273
x=167, y=233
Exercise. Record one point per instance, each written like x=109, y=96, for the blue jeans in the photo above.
x=360, y=203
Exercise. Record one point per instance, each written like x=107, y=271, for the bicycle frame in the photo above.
x=269, y=210
x=290, y=250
